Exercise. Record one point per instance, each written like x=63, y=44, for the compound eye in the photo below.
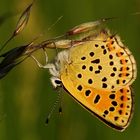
x=56, y=82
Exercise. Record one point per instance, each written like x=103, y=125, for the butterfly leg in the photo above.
x=38, y=63
x=51, y=67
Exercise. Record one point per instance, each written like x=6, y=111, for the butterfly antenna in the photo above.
x=60, y=101
x=53, y=109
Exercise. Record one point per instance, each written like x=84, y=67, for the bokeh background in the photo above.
x=26, y=94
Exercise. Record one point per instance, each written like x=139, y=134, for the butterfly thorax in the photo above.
x=61, y=63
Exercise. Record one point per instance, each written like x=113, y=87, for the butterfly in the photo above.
x=98, y=73
x=97, y=70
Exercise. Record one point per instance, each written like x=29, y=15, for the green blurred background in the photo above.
x=26, y=94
